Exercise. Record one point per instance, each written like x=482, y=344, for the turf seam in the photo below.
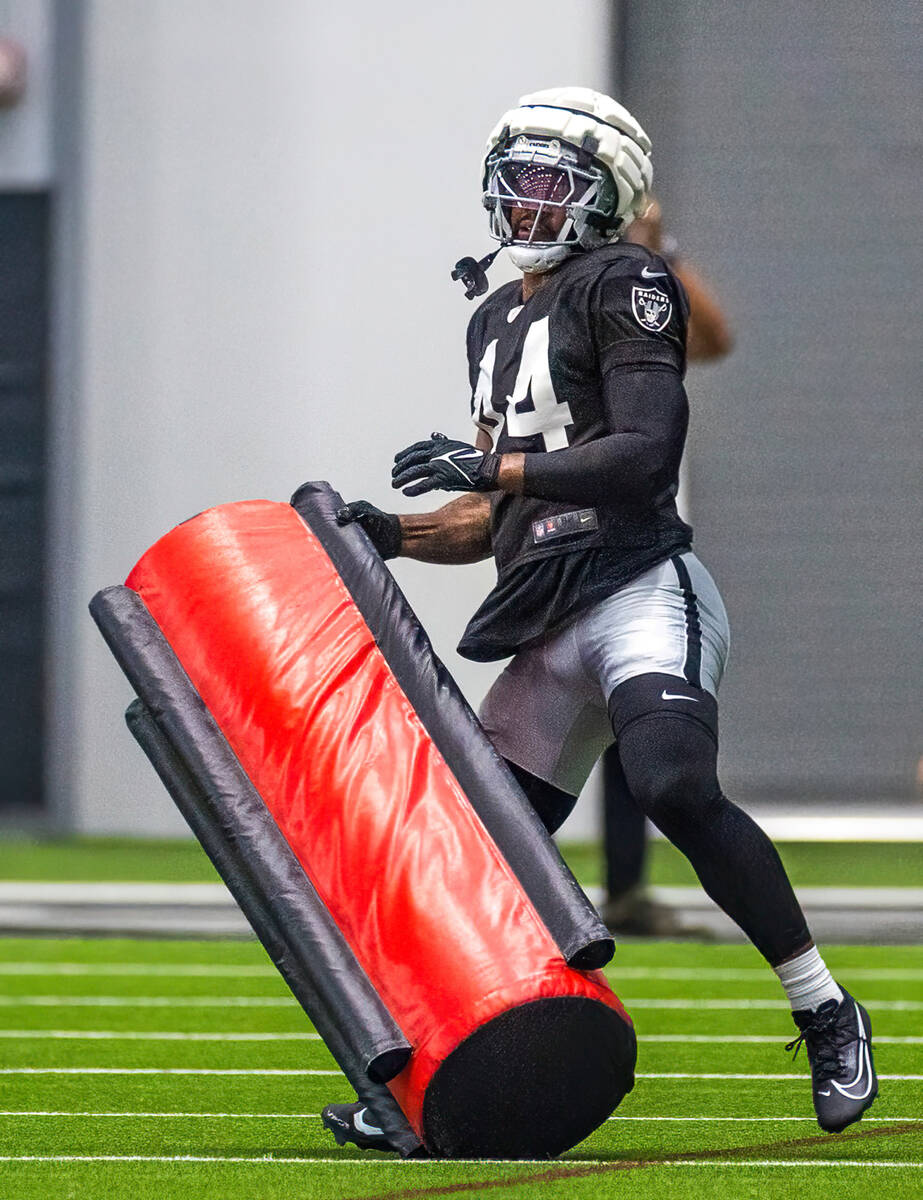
x=734, y=1155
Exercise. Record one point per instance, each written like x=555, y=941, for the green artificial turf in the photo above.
x=809, y=864
x=181, y=860
x=105, y=860
x=89, y=1007
x=57, y=997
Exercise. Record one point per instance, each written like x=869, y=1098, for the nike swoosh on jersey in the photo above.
x=665, y=695
x=646, y=274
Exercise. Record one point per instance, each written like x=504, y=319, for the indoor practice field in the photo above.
x=136, y=1068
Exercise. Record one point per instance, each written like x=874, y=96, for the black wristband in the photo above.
x=389, y=541
x=488, y=471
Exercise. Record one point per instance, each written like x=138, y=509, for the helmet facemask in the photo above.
x=550, y=178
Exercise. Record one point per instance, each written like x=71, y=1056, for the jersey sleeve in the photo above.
x=638, y=317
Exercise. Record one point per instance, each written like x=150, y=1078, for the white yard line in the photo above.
x=148, y=1001
x=271, y=1116
x=746, y=1075
x=175, y=970
x=13, y=1001
x=312, y=1071
x=119, y=1035
x=267, y=971
x=770, y=1120
x=687, y=1003
x=752, y=974
x=173, y=1071
x=410, y=1164
x=754, y=1039
x=124, y=1035
x=311, y=1116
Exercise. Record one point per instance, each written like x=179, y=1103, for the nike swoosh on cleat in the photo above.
x=865, y=1069
x=665, y=695
x=820, y=1093
x=363, y=1127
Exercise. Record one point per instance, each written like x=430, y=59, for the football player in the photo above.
x=617, y=631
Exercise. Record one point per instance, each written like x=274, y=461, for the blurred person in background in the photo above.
x=617, y=630
x=628, y=907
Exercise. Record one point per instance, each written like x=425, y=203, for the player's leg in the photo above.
x=552, y=804
x=629, y=907
x=669, y=759
x=624, y=830
x=669, y=756
x=658, y=648
x=549, y=721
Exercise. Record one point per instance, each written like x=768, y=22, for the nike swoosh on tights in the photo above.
x=665, y=695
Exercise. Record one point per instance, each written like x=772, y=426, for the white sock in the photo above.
x=807, y=981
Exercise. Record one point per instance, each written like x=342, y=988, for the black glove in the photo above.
x=383, y=529
x=443, y=463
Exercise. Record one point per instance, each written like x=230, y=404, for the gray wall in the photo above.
x=788, y=157
x=26, y=128
x=261, y=207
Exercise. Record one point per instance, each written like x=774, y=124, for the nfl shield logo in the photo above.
x=652, y=308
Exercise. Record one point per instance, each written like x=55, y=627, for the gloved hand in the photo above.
x=443, y=463
x=383, y=529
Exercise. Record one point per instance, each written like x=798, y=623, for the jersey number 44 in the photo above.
x=531, y=411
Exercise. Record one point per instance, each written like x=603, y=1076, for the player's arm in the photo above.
x=459, y=532
x=647, y=413
x=709, y=334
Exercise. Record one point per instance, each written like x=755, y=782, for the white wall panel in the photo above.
x=271, y=199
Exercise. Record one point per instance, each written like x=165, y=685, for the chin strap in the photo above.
x=473, y=274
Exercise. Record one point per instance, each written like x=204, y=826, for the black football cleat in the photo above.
x=354, y=1123
x=839, y=1042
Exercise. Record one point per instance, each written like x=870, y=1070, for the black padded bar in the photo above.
x=223, y=852
x=483, y=775
x=241, y=819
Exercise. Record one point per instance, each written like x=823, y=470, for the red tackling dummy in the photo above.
x=514, y=1051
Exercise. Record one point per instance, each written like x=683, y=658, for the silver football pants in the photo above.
x=547, y=711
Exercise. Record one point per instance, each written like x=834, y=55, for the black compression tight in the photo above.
x=552, y=805
x=669, y=763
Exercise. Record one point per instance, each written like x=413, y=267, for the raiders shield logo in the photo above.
x=652, y=308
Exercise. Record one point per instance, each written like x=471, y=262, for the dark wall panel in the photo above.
x=23, y=324
x=787, y=149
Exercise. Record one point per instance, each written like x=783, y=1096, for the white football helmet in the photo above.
x=565, y=148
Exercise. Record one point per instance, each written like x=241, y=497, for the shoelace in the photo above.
x=823, y=1040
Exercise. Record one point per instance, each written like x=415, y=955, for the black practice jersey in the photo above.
x=545, y=377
